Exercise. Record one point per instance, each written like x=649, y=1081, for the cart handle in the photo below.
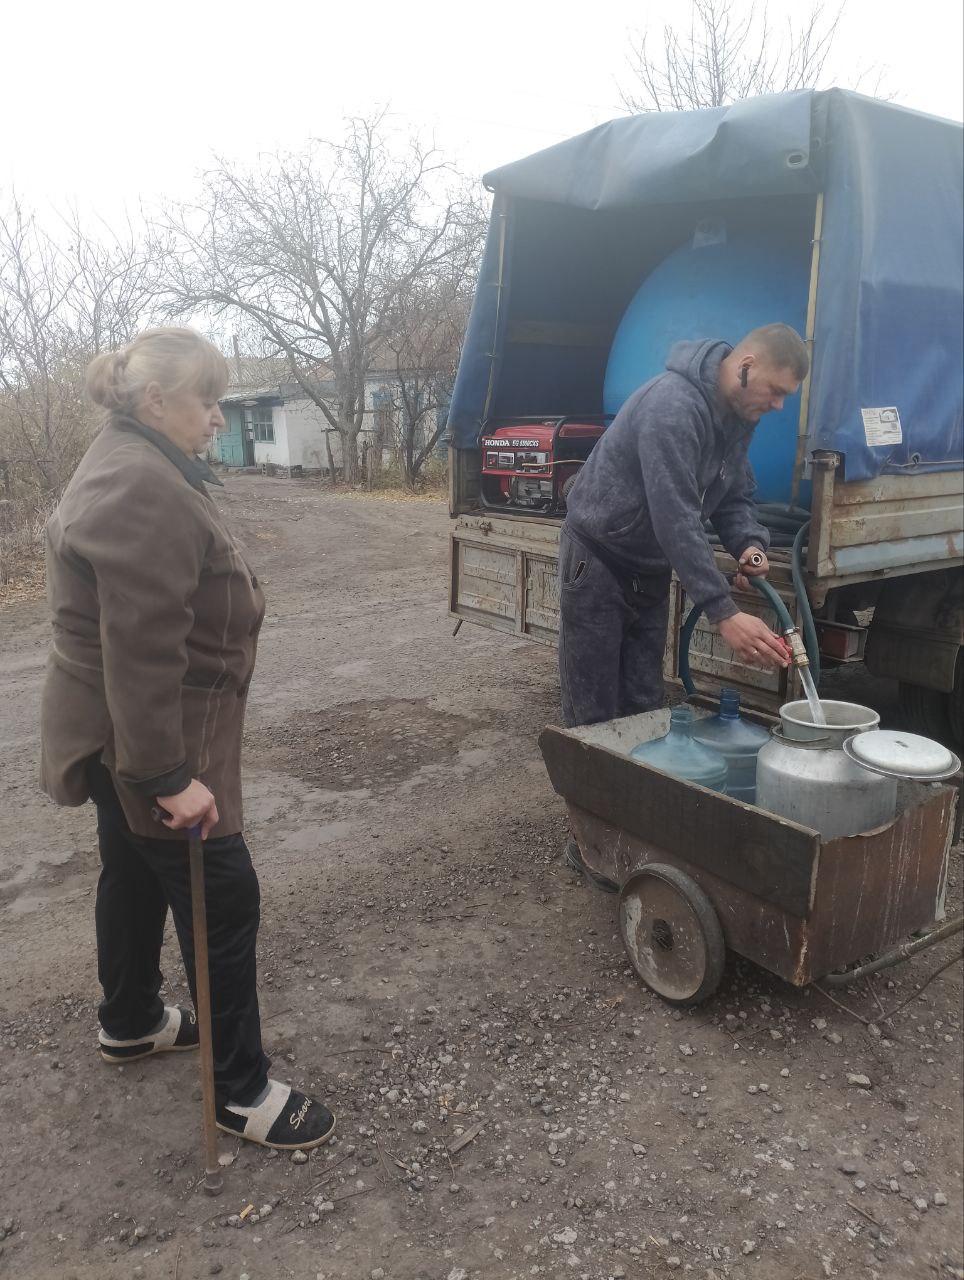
x=900, y=953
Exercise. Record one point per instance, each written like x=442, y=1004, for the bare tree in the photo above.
x=726, y=51
x=63, y=298
x=114, y=282
x=37, y=407
x=317, y=249
x=424, y=347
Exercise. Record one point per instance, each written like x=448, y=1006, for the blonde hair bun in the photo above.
x=177, y=359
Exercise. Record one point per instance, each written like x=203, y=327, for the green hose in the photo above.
x=810, y=640
x=779, y=608
x=783, y=614
x=685, y=635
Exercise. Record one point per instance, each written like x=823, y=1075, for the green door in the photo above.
x=230, y=442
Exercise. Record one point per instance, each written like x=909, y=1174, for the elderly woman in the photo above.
x=156, y=618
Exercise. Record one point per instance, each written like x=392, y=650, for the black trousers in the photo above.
x=612, y=634
x=140, y=878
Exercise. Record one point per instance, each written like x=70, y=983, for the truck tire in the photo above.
x=916, y=637
x=926, y=711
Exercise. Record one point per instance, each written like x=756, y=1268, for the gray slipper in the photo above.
x=177, y=1033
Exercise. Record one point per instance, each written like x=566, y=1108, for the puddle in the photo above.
x=271, y=798
x=466, y=762
x=314, y=836
x=37, y=884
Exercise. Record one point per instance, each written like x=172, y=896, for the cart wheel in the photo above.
x=672, y=934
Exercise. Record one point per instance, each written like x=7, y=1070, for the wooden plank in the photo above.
x=465, y=479
x=520, y=593
x=874, y=889
x=533, y=534
x=819, y=563
x=507, y=578
x=542, y=597
x=454, y=574
x=907, y=489
x=774, y=859
x=893, y=521
x=485, y=582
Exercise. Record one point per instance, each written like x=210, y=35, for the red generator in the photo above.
x=530, y=464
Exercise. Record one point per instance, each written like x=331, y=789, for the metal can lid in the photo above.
x=902, y=755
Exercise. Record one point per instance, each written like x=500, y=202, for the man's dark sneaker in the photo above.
x=573, y=858
x=281, y=1118
x=176, y=1033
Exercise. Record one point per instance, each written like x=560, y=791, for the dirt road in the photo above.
x=429, y=966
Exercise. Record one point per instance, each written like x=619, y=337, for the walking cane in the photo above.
x=202, y=982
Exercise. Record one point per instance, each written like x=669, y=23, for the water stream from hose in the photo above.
x=810, y=689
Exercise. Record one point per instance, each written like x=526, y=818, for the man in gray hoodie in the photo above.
x=674, y=456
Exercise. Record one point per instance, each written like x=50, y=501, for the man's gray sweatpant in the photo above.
x=611, y=637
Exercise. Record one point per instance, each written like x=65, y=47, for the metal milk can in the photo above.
x=804, y=774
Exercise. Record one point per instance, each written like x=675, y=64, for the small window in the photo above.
x=260, y=422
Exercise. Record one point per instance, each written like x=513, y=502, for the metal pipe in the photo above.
x=500, y=286
x=903, y=952
x=804, y=420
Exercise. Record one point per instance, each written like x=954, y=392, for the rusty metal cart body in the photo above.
x=700, y=872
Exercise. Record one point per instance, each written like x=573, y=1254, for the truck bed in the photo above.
x=504, y=567
x=504, y=575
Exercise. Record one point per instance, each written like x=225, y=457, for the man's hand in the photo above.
x=750, y=570
x=752, y=641
x=194, y=805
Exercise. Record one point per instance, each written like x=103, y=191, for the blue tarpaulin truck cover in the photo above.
x=575, y=228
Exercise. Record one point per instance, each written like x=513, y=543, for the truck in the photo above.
x=604, y=248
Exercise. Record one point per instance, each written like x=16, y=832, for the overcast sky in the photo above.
x=112, y=103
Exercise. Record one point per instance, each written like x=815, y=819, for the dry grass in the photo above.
x=390, y=493
x=28, y=584
x=388, y=486
x=22, y=522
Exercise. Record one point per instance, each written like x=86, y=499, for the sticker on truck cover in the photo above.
x=882, y=426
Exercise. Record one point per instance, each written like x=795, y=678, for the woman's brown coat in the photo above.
x=156, y=619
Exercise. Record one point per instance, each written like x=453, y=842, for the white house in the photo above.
x=273, y=425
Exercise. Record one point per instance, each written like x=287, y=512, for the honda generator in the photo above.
x=530, y=464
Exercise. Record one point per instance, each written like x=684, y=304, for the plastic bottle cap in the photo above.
x=902, y=755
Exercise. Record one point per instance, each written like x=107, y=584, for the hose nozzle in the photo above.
x=798, y=650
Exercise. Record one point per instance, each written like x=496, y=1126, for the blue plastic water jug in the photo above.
x=737, y=740
x=681, y=756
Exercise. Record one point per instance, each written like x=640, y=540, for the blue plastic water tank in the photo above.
x=719, y=291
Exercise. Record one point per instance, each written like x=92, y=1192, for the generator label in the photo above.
x=882, y=426
x=515, y=443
